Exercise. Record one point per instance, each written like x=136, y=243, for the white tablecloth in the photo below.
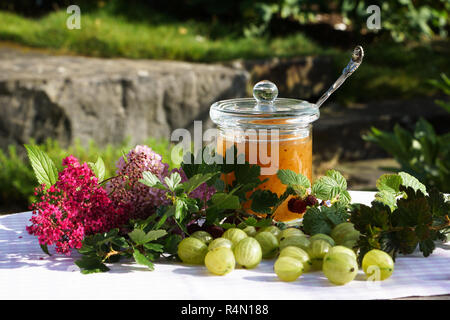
x=27, y=273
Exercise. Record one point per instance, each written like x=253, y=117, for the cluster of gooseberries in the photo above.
x=294, y=251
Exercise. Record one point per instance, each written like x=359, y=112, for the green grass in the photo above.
x=105, y=35
x=389, y=70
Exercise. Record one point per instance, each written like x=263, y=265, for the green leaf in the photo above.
x=142, y=259
x=250, y=221
x=364, y=217
x=121, y=242
x=191, y=166
x=154, y=247
x=338, y=178
x=151, y=180
x=315, y=222
x=140, y=237
x=291, y=178
x=171, y=243
x=325, y=188
x=227, y=226
x=173, y=181
x=101, y=169
x=411, y=181
x=98, y=168
x=438, y=205
x=89, y=264
x=197, y=180
x=263, y=223
x=324, y=219
x=155, y=234
x=263, y=201
x=344, y=197
x=43, y=167
x=389, y=183
x=412, y=211
x=225, y=201
x=427, y=247
x=180, y=206
x=247, y=174
x=44, y=248
x=387, y=198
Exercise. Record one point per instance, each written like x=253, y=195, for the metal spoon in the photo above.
x=355, y=61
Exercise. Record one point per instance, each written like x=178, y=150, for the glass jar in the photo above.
x=275, y=133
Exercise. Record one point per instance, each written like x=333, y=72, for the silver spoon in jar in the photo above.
x=355, y=61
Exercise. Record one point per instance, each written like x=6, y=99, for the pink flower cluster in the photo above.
x=125, y=189
x=76, y=206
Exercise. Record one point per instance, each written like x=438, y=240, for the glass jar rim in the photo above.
x=264, y=110
x=281, y=113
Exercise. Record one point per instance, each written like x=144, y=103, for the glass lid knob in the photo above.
x=265, y=92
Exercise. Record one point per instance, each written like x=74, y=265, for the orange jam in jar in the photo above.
x=272, y=133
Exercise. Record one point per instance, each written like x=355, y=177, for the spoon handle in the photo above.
x=355, y=61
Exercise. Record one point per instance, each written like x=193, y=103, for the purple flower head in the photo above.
x=127, y=190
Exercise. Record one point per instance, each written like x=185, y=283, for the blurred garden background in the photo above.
x=136, y=70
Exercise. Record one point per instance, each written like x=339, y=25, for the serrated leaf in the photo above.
x=250, y=221
x=120, y=242
x=411, y=181
x=142, y=259
x=333, y=186
x=411, y=212
x=427, y=247
x=43, y=167
x=335, y=214
x=140, y=237
x=173, y=180
x=197, y=180
x=315, y=222
x=154, y=247
x=247, y=174
x=338, y=177
x=345, y=198
x=291, y=178
x=155, y=234
x=227, y=226
x=389, y=183
x=438, y=204
x=224, y=201
x=325, y=188
x=151, y=180
x=263, y=201
x=91, y=265
x=387, y=198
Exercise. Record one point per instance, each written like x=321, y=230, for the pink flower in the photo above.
x=76, y=206
x=126, y=189
x=142, y=200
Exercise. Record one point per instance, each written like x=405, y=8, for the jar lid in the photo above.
x=264, y=110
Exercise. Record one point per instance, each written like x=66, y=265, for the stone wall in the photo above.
x=107, y=100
